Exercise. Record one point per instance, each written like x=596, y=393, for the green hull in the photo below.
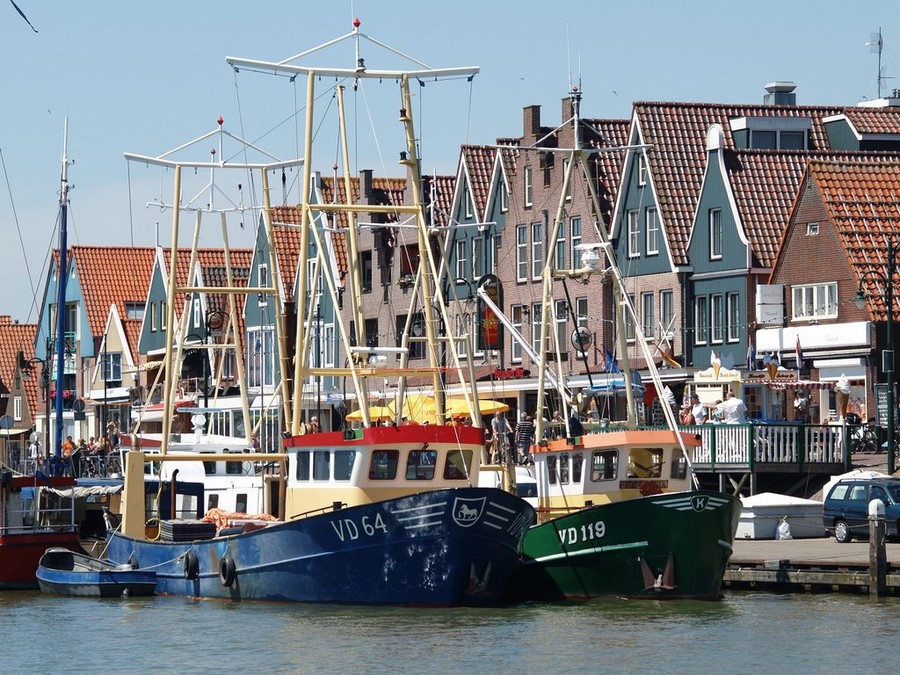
x=673, y=545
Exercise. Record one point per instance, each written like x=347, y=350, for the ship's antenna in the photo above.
x=569, y=57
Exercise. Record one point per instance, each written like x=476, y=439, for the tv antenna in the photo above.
x=876, y=46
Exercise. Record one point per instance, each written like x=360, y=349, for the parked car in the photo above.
x=846, y=508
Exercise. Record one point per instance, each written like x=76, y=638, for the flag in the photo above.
x=612, y=366
x=668, y=358
x=799, y=354
x=751, y=357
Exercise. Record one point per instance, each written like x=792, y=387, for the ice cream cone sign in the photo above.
x=771, y=366
x=716, y=363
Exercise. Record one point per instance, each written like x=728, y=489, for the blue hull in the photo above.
x=445, y=547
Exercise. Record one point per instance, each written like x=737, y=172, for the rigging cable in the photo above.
x=21, y=241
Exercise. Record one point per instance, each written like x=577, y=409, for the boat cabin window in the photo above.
x=343, y=464
x=679, y=466
x=420, y=464
x=241, y=503
x=645, y=463
x=458, y=463
x=564, y=468
x=213, y=501
x=321, y=465
x=551, y=469
x=233, y=468
x=604, y=465
x=209, y=468
x=577, y=464
x=384, y=465
x=302, y=466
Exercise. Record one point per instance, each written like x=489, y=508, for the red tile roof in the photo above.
x=870, y=121
x=765, y=184
x=677, y=132
x=16, y=337
x=111, y=275
x=862, y=199
x=478, y=163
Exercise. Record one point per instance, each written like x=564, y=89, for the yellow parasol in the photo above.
x=458, y=406
x=376, y=412
x=416, y=407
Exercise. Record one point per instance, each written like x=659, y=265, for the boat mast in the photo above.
x=61, y=293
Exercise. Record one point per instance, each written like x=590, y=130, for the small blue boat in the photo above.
x=65, y=572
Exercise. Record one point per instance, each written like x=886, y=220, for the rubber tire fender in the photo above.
x=191, y=565
x=227, y=570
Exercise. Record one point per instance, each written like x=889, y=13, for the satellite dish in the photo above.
x=198, y=420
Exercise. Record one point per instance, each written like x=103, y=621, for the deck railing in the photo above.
x=745, y=445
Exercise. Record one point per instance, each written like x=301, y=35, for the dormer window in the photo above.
x=771, y=133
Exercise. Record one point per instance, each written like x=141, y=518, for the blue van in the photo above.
x=846, y=508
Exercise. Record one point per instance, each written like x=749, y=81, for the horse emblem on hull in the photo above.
x=466, y=511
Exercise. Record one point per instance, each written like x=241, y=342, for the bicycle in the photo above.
x=863, y=439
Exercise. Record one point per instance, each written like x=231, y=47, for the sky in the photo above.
x=147, y=77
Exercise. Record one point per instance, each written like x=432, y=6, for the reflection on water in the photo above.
x=744, y=633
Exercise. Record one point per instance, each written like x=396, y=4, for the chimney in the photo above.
x=531, y=127
x=780, y=93
x=568, y=109
x=365, y=186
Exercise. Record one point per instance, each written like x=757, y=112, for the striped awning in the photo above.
x=803, y=385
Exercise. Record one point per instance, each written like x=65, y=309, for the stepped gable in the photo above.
x=764, y=212
x=862, y=199
x=676, y=134
x=16, y=337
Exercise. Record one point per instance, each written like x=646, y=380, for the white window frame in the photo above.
x=477, y=258
x=633, y=230
x=717, y=318
x=536, y=310
x=521, y=253
x=110, y=366
x=17, y=408
x=154, y=317
x=163, y=315
x=651, y=222
x=198, y=313
x=666, y=310
x=628, y=321
x=642, y=169
x=537, y=249
x=496, y=242
x=527, y=177
x=715, y=234
x=811, y=302
x=733, y=316
x=701, y=320
x=515, y=318
x=812, y=229
x=569, y=186
x=559, y=256
x=462, y=248
x=575, y=232
x=581, y=312
x=561, y=318
x=461, y=321
x=504, y=197
x=648, y=313
x=262, y=278
x=467, y=198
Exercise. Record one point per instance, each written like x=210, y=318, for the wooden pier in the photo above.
x=808, y=566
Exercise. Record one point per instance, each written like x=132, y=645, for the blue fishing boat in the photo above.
x=65, y=572
x=388, y=513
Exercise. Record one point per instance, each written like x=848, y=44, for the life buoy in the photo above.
x=191, y=565
x=649, y=487
x=227, y=570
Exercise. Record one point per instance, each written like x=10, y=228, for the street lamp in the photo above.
x=26, y=367
x=887, y=355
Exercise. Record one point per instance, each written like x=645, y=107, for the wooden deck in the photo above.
x=807, y=566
